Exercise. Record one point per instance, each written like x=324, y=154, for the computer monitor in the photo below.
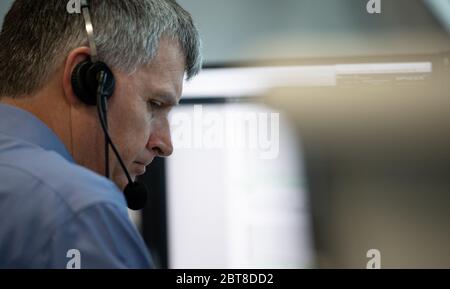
x=229, y=208
x=234, y=196
x=377, y=160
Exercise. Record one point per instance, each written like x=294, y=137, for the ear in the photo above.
x=75, y=57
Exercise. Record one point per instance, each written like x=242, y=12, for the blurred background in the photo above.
x=316, y=132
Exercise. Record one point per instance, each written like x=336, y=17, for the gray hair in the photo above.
x=37, y=36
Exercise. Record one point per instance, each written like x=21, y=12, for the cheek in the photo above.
x=131, y=132
x=139, y=130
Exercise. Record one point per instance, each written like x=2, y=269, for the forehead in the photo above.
x=165, y=73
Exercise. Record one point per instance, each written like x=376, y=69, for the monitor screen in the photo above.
x=236, y=198
x=237, y=187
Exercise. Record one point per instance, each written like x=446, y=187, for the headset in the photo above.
x=94, y=83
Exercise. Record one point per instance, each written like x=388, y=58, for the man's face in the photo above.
x=138, y=111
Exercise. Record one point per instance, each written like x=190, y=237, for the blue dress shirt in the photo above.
x=55, y=213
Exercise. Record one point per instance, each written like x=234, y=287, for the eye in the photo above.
x=154, y=104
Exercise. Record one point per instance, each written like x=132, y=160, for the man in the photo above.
x=56, y=208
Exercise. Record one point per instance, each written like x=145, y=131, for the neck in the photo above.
x=51, y=109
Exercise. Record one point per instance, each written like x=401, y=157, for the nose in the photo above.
x=160, y=140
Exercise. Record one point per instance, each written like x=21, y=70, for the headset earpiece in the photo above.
x=85, y=82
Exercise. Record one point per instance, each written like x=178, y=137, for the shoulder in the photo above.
x=32, y=172
x=54, y=205
x=104, y=238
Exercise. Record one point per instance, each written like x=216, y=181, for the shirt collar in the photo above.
x=20, y=124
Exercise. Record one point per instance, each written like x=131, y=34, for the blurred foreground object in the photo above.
x=377, y=157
